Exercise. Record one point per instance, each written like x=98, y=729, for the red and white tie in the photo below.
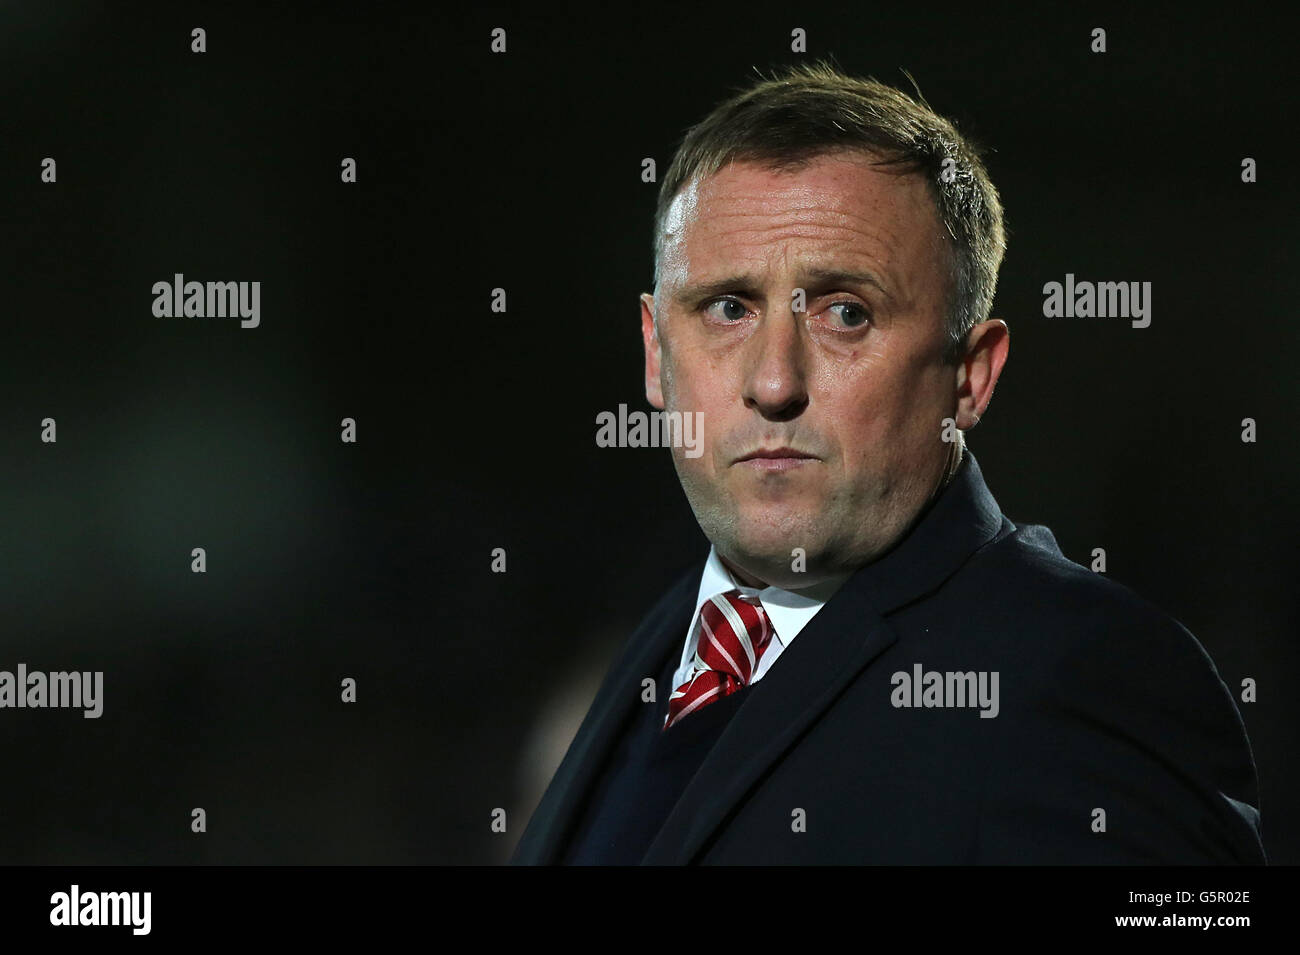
x=734, y=632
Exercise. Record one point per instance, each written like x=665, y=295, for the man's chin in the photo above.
x=781, y=557
x=778, y=529
x=771, y=569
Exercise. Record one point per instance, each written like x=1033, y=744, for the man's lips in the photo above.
x=775, y=459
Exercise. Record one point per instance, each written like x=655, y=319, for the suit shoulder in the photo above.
x=1102, y=685
x=1082, y=636
x=1030, y=575
x=671, y=603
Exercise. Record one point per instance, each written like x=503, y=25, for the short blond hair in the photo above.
x=810, y=110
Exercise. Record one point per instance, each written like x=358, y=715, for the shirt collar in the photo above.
x=788, y=610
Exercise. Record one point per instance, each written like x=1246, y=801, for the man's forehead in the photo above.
x=835, y=211
x=848, y=181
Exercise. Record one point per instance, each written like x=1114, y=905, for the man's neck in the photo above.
x=740, y=576
x=955, y=455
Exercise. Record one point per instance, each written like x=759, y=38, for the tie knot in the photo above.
x=734, y=630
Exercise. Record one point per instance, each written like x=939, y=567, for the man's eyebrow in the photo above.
x=820, y=277
x=693, y=292
x=749, y=286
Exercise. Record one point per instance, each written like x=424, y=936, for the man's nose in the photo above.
x=775, y=374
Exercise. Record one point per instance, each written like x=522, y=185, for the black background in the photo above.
x=476, y=430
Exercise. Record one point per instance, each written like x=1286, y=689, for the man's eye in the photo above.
x=727, y=309
x=854, y=315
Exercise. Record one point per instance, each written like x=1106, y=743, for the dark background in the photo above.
x=476, y=430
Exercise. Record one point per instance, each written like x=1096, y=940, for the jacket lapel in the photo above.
x=660, y=633
x=844, y=638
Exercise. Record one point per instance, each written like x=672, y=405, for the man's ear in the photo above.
x=986, y=352
x=650, y=336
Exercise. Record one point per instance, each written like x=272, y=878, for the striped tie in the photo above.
x=734, y=633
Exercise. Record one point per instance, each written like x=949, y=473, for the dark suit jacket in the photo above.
x=1105, y=703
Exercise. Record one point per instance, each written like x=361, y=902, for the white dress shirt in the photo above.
x=789, y=612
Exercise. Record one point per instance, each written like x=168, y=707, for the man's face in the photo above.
x=854, y=387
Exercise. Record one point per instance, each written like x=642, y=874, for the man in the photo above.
x=872, y=665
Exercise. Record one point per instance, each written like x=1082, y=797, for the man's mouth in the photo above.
x=775, y=459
